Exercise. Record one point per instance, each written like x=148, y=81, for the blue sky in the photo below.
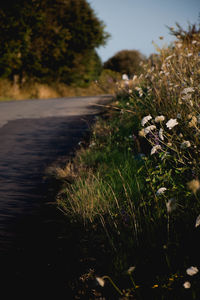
x=134, y=24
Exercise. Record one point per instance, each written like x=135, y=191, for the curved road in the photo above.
x=33, y=135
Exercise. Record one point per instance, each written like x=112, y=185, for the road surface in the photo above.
x=33, y=135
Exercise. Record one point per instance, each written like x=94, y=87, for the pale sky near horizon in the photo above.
x=134, y=24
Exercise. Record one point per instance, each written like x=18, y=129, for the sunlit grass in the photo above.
x=33, y=90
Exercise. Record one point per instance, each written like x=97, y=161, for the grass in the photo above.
x=34, y=90
x=138, y=180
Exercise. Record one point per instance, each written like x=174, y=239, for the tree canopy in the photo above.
x=50, y=40
x=125, y=61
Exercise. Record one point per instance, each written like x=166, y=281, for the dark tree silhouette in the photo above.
x=125, y=61
x=49, y=40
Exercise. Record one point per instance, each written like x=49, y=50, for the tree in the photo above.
x=50, y=40
x=125, y=61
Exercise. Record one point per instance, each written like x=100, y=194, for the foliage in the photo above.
x=125, y=62
x=139, y=179
x=50, y=41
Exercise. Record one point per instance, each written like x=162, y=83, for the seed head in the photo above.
x=194, y=185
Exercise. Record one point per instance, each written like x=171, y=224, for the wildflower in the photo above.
x=100, y=281
x=194, y=185
x=178, y=116
x=197, y=221
x=159, y=119
x=125, y=77
x=186, y=97
x=171, y=123
x=161, y=134
x=161, y=190
x=189, y=54
x=139, y=90
x=92, y=144
x=154, y=286
x=134, y=77
x=187, y=285
x=192, y=271
x=171, y=205
x=130, y=270
x=149, y=128
x=146, y=119
x=188, y=90
x=194, y=42
x=185, y=144
x=142, y=133
x=179, y=45
x=155, y=149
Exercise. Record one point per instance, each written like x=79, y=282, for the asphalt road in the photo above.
x=33, y=135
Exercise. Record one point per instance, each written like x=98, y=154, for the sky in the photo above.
x=134, y=24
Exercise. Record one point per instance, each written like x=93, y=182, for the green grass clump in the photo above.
x=139, y=178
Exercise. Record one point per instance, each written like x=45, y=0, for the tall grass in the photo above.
x=139, y=177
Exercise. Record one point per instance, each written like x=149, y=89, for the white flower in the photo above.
x=179, y=45
x=187, y=285
x=185, y=144
x=134, y=77
x=92, y=144
x=161, y=190
x=130, y=270
x=161, y=134
x=189, y=54
x=139, y=90
x=194, y=42
x=192, y=271
x=159, y=119
x=155, y=149
x=188, y=90
x=125, y=77
x=171, y=123
x=149, y=128
x=186, y=97
x=146, y=119
x=171, y=205
x=100, y=281
x=197, y=221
